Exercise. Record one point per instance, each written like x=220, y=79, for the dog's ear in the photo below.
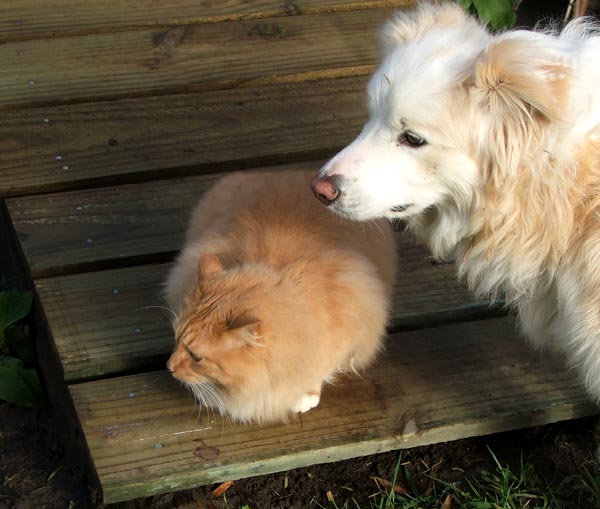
x=522, y=77
x=408, y=25
x=521, y=80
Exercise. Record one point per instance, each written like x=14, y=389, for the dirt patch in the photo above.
x=35, y=471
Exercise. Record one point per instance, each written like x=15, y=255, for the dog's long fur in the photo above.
x=507, y=179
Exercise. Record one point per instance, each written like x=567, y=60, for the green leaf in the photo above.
x=32, y=380
x=14, y=306
x=11, y=363
x=29, y=376
x=14, y=389
x=498, y=13
x=20, y=344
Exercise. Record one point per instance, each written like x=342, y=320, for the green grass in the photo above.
x=502, y=488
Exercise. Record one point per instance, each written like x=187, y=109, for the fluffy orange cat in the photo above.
x=274, y=295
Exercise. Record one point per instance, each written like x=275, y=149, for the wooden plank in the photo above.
x=82, y=230
x=188, y=58
x=75, y=231
x=107, y=323
x=165, y=136
x=100, y=321
x=146, y=436
x=27, y=19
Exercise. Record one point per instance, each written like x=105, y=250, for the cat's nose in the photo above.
x=326, y=189
x=171, y=365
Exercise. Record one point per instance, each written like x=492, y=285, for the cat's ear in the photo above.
x=209, y=263
x=246, y=335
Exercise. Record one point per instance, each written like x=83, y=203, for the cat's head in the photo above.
x=219, y=335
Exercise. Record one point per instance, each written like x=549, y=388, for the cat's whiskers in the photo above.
x=188, y=386
x=210, y=408
x=208, y=396
x=196, y=402
x=210, y=388
x=214, y=404
x=198, y=394
x=160, y=307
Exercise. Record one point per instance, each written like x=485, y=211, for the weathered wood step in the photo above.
x=28, y=19
x=93, y=144
x=106, y=323
x=170, y=59
x=146, y=435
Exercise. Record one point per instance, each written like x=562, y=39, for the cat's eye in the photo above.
x=195, y=357
x=411, y=139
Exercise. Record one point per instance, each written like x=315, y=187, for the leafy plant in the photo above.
x=19, y=384
x=497, y=13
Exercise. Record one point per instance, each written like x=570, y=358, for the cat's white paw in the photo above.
x=307, y=402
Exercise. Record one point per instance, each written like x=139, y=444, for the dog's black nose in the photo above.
x=326, y=189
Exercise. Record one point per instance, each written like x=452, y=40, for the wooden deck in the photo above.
x=115, y=120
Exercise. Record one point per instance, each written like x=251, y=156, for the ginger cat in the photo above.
x=274, y=295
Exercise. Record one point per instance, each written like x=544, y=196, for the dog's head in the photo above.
x=451, y=107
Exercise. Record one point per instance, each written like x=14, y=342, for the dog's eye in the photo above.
x=411, y=139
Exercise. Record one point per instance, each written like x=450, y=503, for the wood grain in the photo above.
x=146, y=436
x=28, y=19
x=82, y=230
x=171, y=59
x=164, y=136
x=106, y=323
